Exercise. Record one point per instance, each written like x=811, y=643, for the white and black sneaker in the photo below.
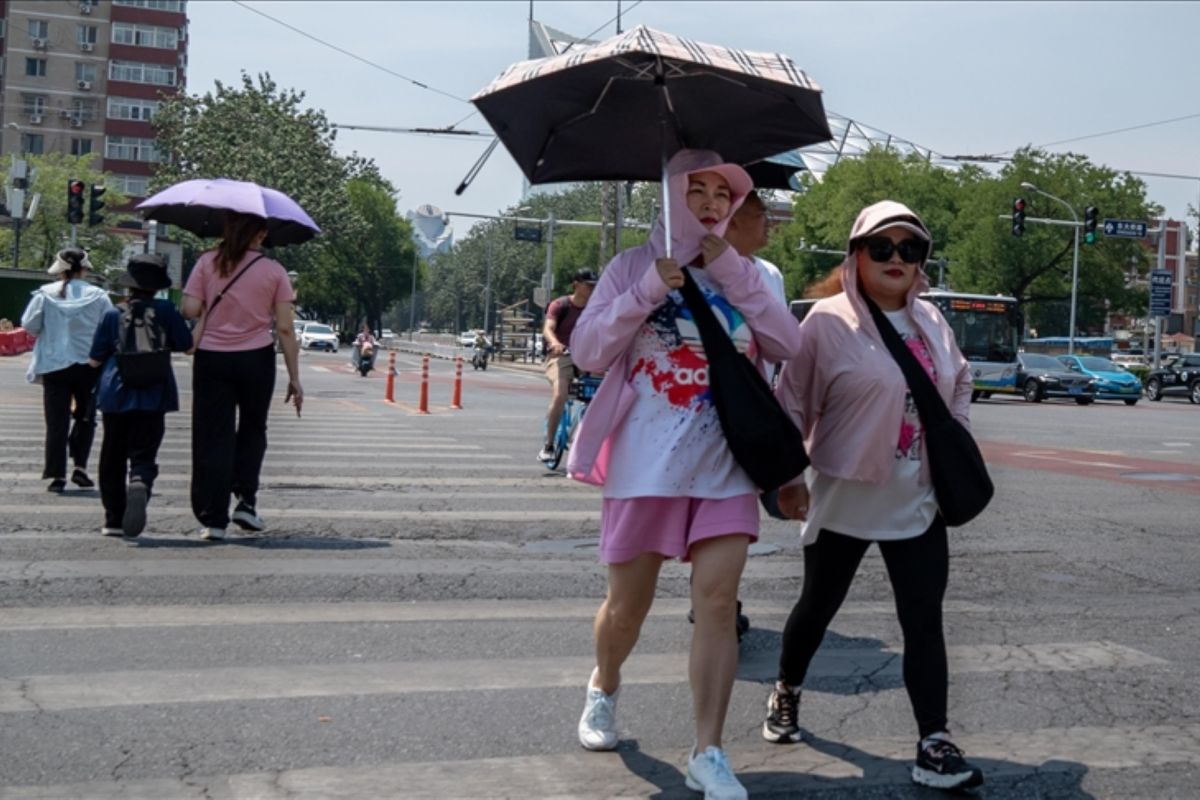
x=782, y=725
x=546, y=454
x=940, y=764
x=246, y=518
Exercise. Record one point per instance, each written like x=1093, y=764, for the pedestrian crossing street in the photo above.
x=417, y=624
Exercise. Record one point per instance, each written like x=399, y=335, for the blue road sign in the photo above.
x=1160, y=293
x=1125, y=228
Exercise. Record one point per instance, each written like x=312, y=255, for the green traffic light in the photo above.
x=1089, y=238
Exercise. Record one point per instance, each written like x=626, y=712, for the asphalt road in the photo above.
x=416, y=621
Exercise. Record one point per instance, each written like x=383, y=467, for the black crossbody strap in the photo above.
x=228, y=286
x=930, y=406
x=712, y=334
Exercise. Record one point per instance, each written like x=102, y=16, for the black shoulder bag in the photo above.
x=961, y=482
x=762, y=437
x=143, y=359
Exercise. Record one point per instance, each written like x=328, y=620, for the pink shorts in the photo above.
x=671, y=525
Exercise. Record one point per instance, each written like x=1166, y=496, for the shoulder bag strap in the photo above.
x=930, y=406
x=712, y=333
x=221, y=294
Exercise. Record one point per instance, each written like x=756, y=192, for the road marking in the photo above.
x=765, y=769
x=47, y=693
x=176, y=512
x=284, y=481
x=45, y=618
x=1052, y=457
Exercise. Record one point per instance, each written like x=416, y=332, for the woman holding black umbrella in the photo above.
x=672, y=488
x=235, y=291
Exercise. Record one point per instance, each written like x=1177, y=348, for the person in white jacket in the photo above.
x=64, y=315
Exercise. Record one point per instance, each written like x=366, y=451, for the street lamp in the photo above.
x=1074, y=261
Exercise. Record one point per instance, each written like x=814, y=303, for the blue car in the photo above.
x=1113, y=382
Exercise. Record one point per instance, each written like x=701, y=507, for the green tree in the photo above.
x=49, y=231
x=259, y=132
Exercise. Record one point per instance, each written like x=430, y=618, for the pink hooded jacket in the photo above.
x=843, y=388
x=630, y=289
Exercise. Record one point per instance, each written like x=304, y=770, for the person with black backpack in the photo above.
x=137, y=388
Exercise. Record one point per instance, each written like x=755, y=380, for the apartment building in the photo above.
x=86, y=76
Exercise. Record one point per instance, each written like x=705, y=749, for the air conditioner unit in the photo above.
x=76, y=122
x=66, y=112
x=35, y=119
x=39, y=44
x=87, y=47
x=85, y=8
x=85, y=85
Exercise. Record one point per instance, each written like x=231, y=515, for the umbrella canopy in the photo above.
x=199, y=206
x=618, y=109
x=778, y=172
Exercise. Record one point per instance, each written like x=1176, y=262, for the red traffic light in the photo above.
x=1018, y=204
x=75, y=187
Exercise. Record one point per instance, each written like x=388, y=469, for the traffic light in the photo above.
x=95, y=204
x=1018, y=217
x=75, y=201
x=1090, y=215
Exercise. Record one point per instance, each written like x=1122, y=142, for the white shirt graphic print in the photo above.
x=670, y=442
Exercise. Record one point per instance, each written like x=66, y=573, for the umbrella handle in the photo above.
x=666, y=192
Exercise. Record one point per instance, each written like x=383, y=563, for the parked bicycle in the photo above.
x=579, y=394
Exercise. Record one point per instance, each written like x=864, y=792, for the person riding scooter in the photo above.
x=365, y=347
x=482, y=351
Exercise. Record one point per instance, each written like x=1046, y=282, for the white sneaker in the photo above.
x=598, y=725
x=546, y=453
x=110, y=531
x=709, y=772
x=212, y=534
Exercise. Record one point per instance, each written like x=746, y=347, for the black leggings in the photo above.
x=918, y=569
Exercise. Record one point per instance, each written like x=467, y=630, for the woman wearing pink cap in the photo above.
x=652, y=438
x=869, y=481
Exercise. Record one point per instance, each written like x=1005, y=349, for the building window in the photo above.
x=34, y=105
x=157, y=5
x=136, y=72
x=33, y=143
x=83, y=109
x=85, y=72
x=131, y=108
x=145, y=35
x=35, y=67
x=86, y=34
x=81, y=147
x=130, y=148
x=132, y=185
x=39, y=29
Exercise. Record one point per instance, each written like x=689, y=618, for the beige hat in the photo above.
x=887, y=214
x=70, y=259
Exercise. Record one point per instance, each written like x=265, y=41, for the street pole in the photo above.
x=1074, y=291
x=412, y=299
x=548, y=278
x=487, y=289
x=1074, y=260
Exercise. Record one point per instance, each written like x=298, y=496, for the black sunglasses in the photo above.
x=912, y=251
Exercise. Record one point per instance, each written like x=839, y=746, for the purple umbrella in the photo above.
x=199, y=206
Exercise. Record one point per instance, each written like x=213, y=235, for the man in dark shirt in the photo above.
x=561, y=316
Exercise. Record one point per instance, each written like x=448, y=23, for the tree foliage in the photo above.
x=49, y=230
x=967, y=211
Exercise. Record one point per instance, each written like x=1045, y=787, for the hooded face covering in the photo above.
x=687, y=231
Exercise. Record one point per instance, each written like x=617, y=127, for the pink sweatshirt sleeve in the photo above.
x=775, y=329
x=964, y=386
x=629, y=289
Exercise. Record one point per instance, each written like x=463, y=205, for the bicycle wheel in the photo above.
x=562, y=436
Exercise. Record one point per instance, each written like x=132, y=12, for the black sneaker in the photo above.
x=783, y=714
x=940, y=764
x=246, y=518
x=80, y=478
x=136, y=497
x=57, y=485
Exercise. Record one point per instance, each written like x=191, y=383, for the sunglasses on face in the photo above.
x=881, y=248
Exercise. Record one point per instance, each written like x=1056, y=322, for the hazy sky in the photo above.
x=960, y=78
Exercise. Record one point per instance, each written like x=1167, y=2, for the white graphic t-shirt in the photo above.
x=901, y=508
x=670, y=442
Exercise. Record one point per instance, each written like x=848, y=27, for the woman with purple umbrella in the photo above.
x=235, y=291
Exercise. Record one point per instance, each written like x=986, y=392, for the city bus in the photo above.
x=987, y=329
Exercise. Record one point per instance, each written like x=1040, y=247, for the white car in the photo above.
x=318, y=336
x=466, y=339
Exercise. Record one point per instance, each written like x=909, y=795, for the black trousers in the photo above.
x=918, y=569
x=69, y=429
x=231, y=395
x=131, y=442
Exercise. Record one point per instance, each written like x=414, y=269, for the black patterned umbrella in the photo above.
x=617, y=110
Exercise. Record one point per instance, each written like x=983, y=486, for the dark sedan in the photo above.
x=1040, y=376
x=1178, y=375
